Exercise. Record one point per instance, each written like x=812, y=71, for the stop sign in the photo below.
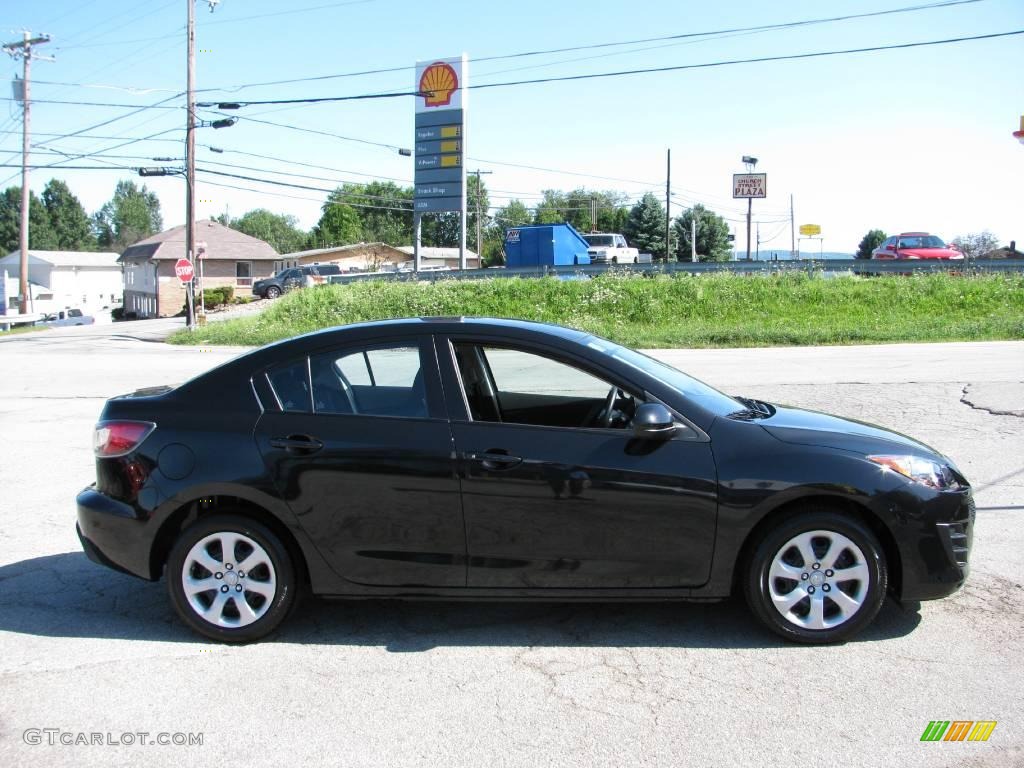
x=184, y=270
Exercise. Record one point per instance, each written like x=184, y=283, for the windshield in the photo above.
x=705, y=396
x=922, y=241
x=599, y=239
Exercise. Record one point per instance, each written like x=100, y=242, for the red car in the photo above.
x=916, y=245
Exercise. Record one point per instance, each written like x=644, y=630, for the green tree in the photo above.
x=132, y=214
x=869, y=242
x=68, y=219
x=339, y=224
x=975, y=244
x=40, y=233
x=442, y=229
x=515, y=214
x=645, y=227
x=384, y=210
x=712, y=235
x=551, y=208
x=277, y=229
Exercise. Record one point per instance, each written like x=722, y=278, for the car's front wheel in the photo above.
x=273, y=292
x=231, y=579
x=818, y=577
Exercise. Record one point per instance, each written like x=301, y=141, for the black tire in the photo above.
x=841, y=594
x=271, y=610
x=273, y=292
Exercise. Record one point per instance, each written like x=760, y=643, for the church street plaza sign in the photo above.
x=749, y=185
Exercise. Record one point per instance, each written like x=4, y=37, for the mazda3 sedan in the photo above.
x=498, y=459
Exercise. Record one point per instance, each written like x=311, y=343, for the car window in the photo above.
x=374, y=381
x=290, y=383
x=520, y=387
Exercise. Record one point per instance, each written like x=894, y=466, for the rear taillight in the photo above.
x=116, y=438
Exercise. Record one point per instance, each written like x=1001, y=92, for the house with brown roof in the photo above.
x=229, y=257
x=366, y=257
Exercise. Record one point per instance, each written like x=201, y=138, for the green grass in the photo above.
x=712, y=310
x=24, y=329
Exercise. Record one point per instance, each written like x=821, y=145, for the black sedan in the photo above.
x=497, y=459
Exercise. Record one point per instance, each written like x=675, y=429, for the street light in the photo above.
x=161, y=170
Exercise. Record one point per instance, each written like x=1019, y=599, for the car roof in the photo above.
x=913, y=234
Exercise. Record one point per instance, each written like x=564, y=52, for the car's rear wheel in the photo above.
x=231, y=579
x=818, y=577
x=273, y=292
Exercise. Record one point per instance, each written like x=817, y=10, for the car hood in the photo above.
x=931, y=253
x=800, y=427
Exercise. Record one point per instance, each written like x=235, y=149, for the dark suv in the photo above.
x=294, y=277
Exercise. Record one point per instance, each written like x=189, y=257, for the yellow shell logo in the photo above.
x=438, y=83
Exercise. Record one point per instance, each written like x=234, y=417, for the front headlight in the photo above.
x=933, y=474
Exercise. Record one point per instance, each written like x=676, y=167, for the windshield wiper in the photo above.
x=755, y=410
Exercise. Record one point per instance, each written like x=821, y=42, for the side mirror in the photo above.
x=890, y=247
x=653, y=421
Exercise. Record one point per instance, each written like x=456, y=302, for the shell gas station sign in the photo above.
x=440, y=177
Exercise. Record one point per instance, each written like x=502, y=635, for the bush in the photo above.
x=117, y=313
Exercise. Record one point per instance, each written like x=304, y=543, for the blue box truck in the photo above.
x=557, y=245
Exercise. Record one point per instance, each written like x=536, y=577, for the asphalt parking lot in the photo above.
x=85, y=650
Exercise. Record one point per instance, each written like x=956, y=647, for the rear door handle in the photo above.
x=301, y=444
x=495, y=460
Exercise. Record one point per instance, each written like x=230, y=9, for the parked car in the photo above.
x=496, y=459
x=66, y=317
x=916, y=245
x=294, y=277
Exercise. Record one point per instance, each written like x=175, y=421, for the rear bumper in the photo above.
x=113, y=534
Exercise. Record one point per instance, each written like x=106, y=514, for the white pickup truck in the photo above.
x=68, y=317
x=612, y=249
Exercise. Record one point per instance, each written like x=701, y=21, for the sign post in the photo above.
x=440, y=179
x=186, y=274
x=200, y=256
x=749, y=185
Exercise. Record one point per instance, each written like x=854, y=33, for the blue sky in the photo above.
x=906, y=139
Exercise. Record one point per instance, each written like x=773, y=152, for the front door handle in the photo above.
x=300, y=444
x=495, y=460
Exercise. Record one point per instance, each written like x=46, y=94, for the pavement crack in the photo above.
x=1019, y=413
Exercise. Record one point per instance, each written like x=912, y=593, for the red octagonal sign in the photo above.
x=184, y=270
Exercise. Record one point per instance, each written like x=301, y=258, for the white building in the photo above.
x=63, y=279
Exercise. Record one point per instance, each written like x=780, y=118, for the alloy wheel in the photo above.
x=818, y=580
x=228, y=579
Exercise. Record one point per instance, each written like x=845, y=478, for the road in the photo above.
x=84, y=649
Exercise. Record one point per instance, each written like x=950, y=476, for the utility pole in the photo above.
x=479, y=227
x=693, y=234
x=757, y=253
x=190, y=161
x=668, y=200
x=23, y=48
x=792, y=230
x=750, y=205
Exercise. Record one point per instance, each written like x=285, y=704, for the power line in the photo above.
x=640, y=71
x=93, y=104
x=313, y=130
x=593, y=46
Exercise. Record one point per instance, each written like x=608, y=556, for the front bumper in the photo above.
x=114, y=534
x=936, y=546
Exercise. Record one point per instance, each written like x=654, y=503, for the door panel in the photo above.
x=379, y=499
x=584, y=509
